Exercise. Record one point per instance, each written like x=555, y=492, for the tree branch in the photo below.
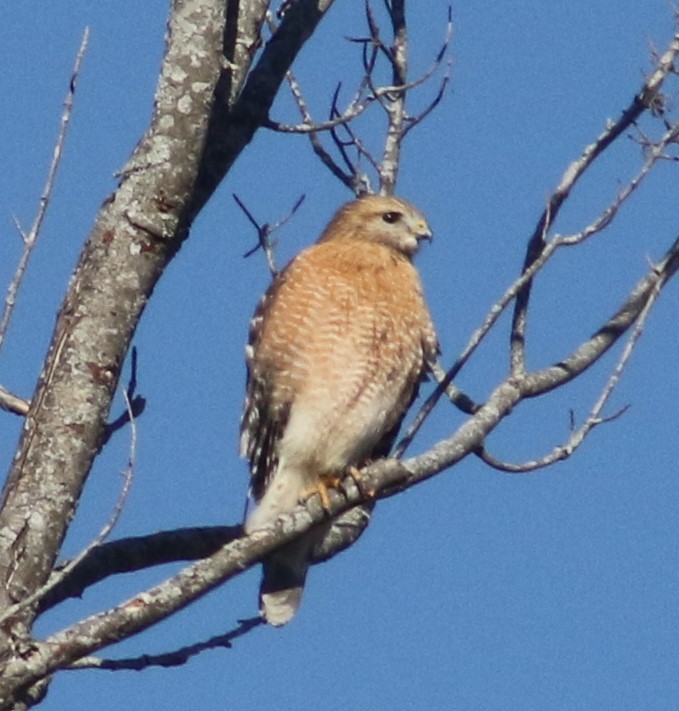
x=540, y=250
x=171, y=659
x=646, y=98
x=128, y=555
x=265, y=231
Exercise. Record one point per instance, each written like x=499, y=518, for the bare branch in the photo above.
x=171, y=659
x=128, y=555
x=391, y=98
x=412, y=121
x=13, y=403
x=589, y=352
x=103, y=534
x=326, y=158
x=463, y=402
x=357, y=106
x=595, y=418
x=655, y=153
x=361, y=182
x=558, y=454
x=647, y=98
x=30, y=238
x=540, y=250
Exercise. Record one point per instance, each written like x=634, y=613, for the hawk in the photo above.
x=337, y=349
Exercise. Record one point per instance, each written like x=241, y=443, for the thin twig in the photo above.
x=646, y=98
x=316, y=145
x=391, y=98
x=357, y=106
x=30, y=238
x=558, y=454
x=463, y=402
x=56, y=578
x=540, y=250
x=137, y=402
x=412, y=121
x=595, y=418
x=655, y=154
x=352, y=141
x=265, y=231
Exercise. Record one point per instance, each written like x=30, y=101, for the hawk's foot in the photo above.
x=355, y=473
x=325, y=482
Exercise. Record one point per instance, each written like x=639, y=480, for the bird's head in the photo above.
x=385, y=220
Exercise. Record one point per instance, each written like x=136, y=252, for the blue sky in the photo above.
x=477, y=590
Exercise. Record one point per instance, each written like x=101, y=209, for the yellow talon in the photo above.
x=325, y=482
x=356, y=475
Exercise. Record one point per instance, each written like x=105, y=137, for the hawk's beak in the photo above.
x=424, y=233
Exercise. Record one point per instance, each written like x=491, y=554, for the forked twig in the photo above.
x=645, y=99
x=265, y=231
x=540, y=250
x=391, y=98
x=347, y=178
x=595, y=418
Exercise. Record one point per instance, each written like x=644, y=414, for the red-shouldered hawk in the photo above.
x=338, y=346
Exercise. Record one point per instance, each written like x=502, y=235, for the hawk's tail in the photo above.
x=284, y=573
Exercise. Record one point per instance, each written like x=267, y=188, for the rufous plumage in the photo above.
x=337, y=349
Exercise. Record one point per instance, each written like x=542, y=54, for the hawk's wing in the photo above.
x=261, y=425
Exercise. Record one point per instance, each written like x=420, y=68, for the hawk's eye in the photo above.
x=392, y=217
